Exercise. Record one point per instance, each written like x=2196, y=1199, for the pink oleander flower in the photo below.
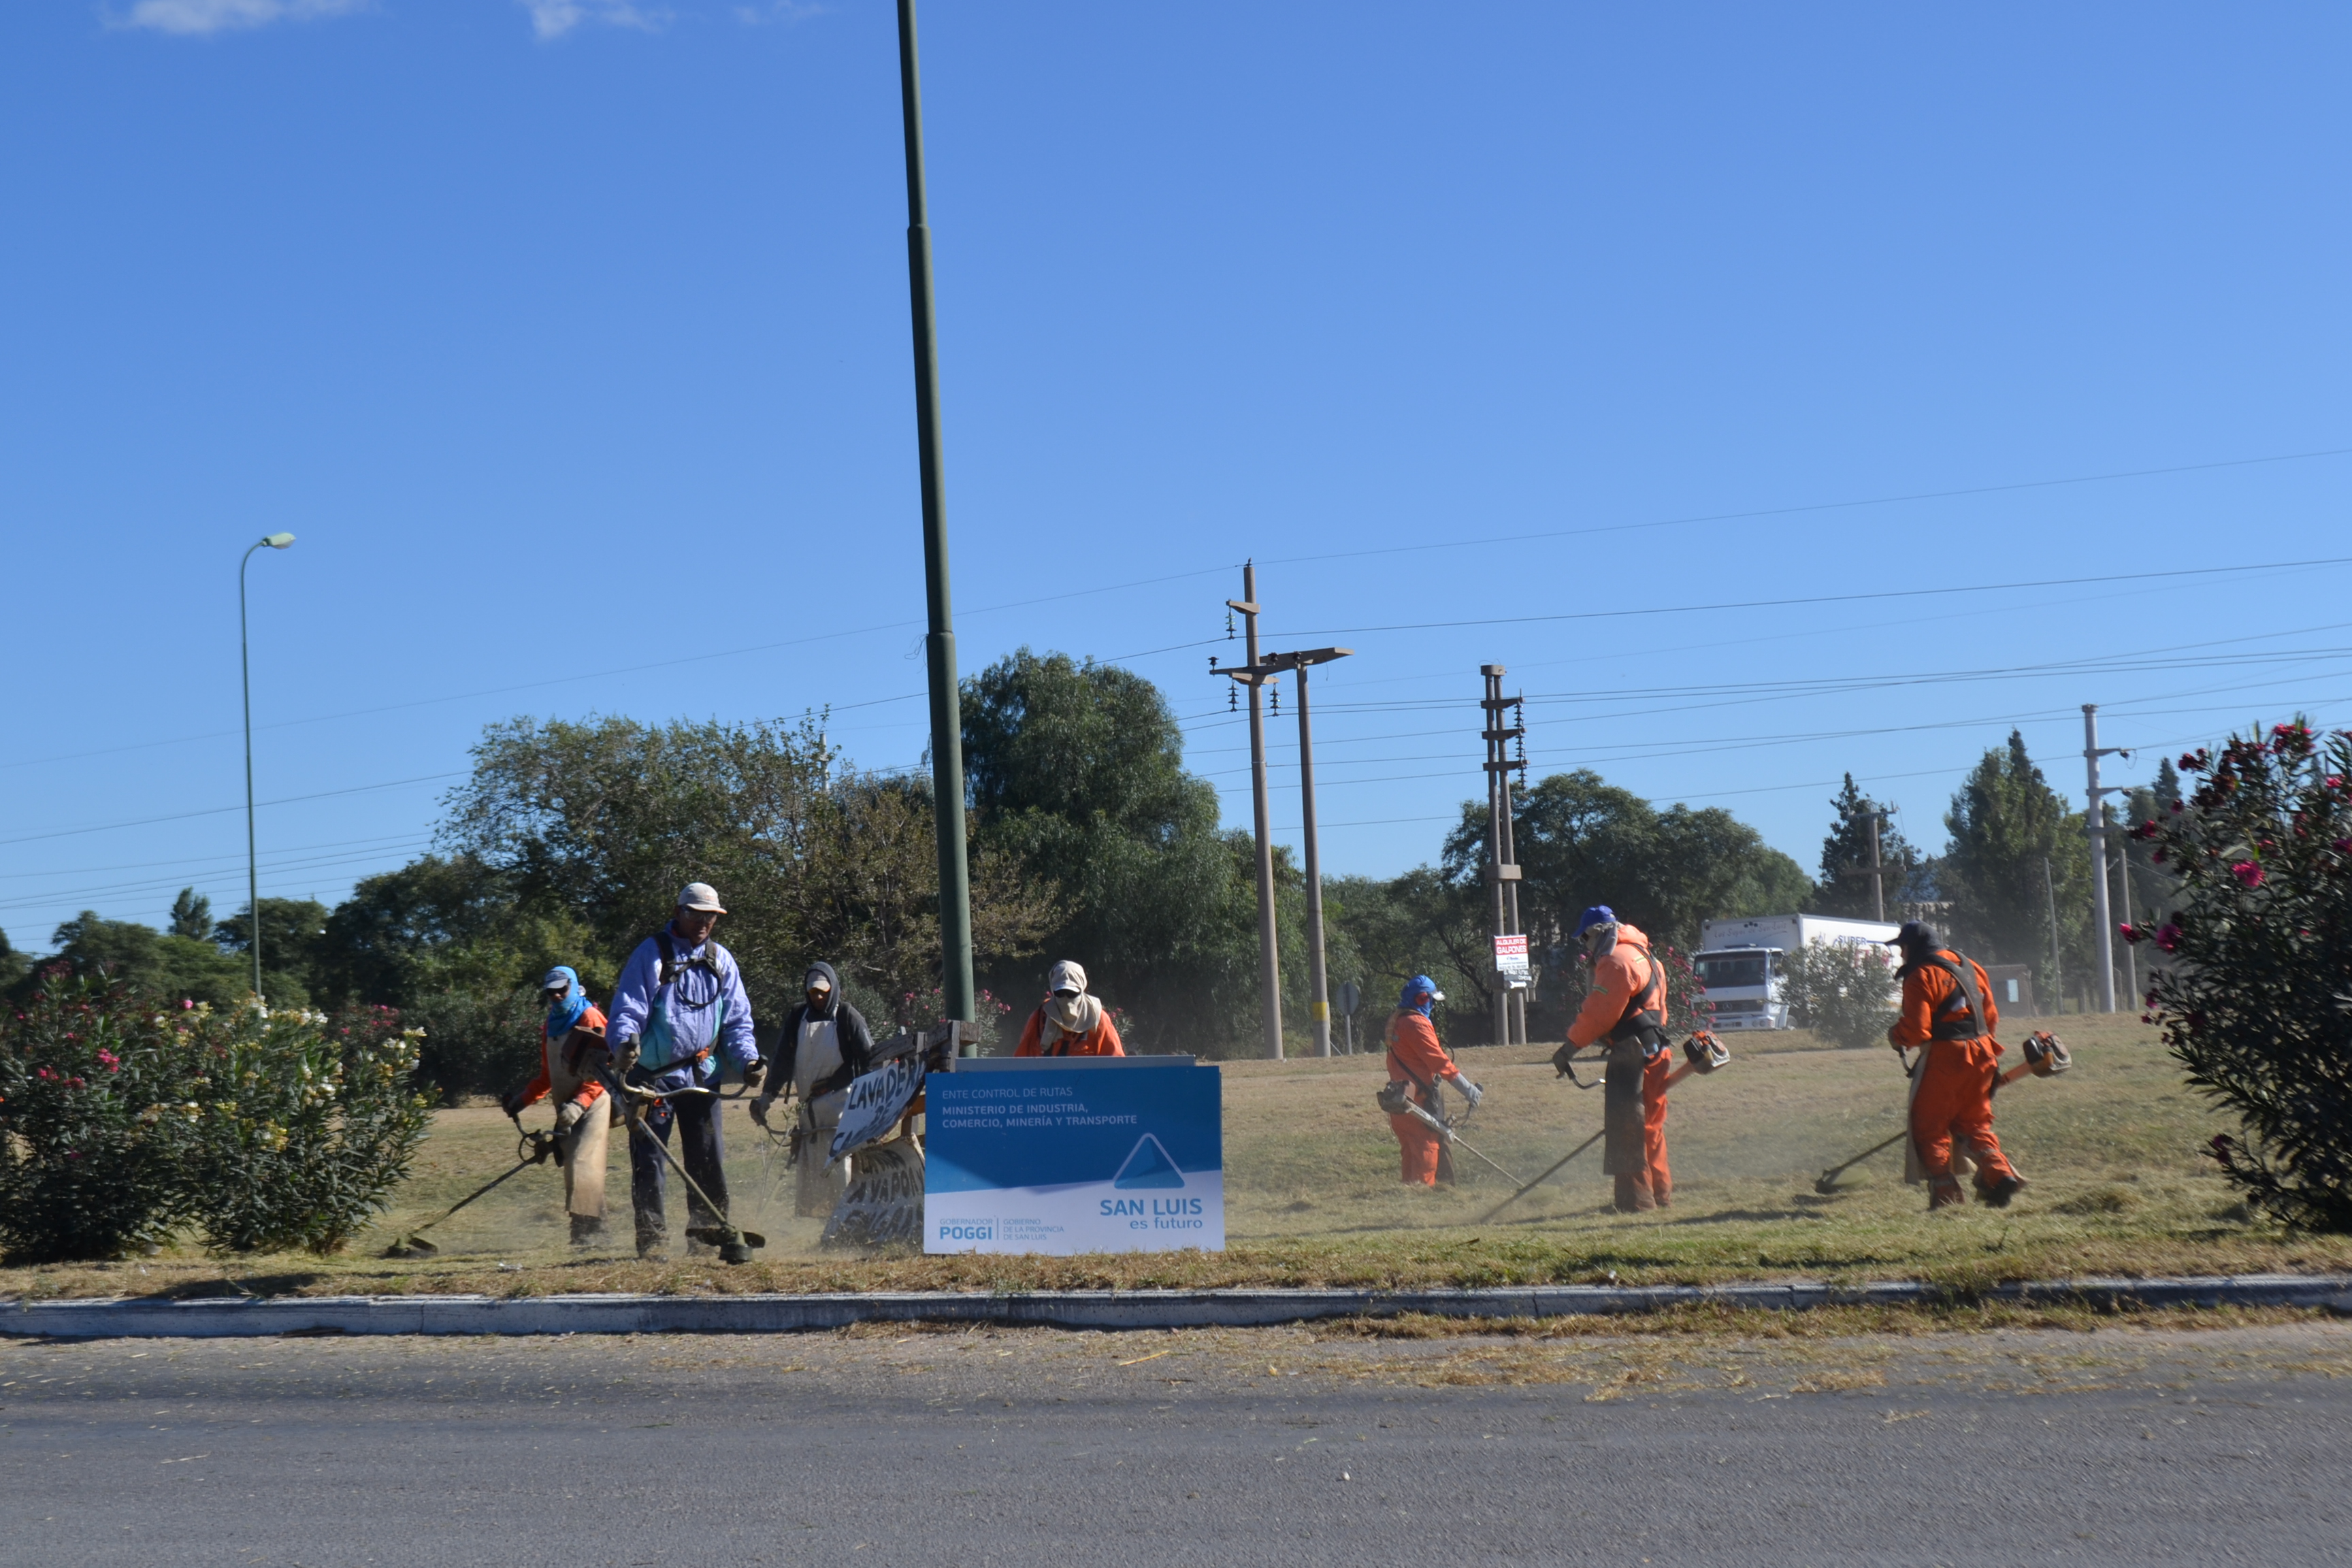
x=108, y=1059
x=2247, y=872
x=2167, y=936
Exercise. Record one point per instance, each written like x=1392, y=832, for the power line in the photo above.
x=220, y=810
x=1819, y=506
x=1819, y=599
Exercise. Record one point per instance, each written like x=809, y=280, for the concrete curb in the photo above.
x=216, y=1317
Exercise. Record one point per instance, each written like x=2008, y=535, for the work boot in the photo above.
x=652, y=1241
x=1633, y=1195
x=1945, y=1194
x=1996, y=1194
x=587, y=1229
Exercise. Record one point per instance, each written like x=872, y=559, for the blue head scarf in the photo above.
x=565, y=1010
x=1419, y=995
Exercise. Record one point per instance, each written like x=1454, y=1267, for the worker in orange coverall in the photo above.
x=1071, y=1021
x=1627, y=1009
x=572, y=1061
x=1418, y=1062
x=1948, y=1011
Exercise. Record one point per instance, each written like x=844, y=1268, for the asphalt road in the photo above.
x=1211, y=1447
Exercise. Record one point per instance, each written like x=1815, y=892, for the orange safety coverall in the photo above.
x=1043, y=1036
x=1418, y=1059
x=1951, y=1098
x=1623, y=981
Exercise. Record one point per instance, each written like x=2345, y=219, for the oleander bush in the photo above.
x=93, y=1124
x=2252, y=977
x=308, y=1122
x=121, y=1121
x=1842, y=991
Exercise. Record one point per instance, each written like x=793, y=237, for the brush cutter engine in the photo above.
x=1705, y=1052
x=2046, y=1054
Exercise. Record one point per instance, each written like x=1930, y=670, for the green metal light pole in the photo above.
x=245, y=674
x=947, y=720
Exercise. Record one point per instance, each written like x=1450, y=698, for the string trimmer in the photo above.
x=2045, y=1057
x=1539, y=1181
x=734, y=1243
x=1445, y=1133
x=530, y=1149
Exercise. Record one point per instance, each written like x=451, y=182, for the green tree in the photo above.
x=13, y=964
x=1845, y=888
x=142, y=960
x=2005, y=822
x=192, y=915
x=1581, y=841
x=600, y=823
x=291, y=947
x=1077, y=772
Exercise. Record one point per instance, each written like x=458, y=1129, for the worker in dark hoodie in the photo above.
x=825, y=1044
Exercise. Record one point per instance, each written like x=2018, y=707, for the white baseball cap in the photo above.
x=700, y=896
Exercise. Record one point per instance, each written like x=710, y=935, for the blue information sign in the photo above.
x=1074, y=1154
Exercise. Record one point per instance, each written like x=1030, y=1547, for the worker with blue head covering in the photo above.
x=572, y=1060
x=1418, y=1062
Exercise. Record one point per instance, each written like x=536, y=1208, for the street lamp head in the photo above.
x=278, y=541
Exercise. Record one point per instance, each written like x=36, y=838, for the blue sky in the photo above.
x=570, y=337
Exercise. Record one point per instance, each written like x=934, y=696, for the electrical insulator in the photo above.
x=1229, y=623
x=1233, y=698
x=1274, y=695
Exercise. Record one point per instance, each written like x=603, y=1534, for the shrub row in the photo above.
x=122, y=1124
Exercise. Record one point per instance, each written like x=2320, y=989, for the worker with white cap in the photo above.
x=1069, y=1022
x=678, y=1007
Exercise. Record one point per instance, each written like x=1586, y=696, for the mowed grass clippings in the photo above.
x=2120, y=1188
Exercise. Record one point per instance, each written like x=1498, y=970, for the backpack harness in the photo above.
x=1952, y=1024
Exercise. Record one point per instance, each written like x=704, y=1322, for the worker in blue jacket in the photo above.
x=678, y=1009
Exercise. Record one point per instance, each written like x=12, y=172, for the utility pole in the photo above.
x=1877, y=881
x=946, y=717
x=1502, y=866
x=2057, y=979
x=2096, y=820
x=2131, y=953
x=1319, y=991
x=1269, y=953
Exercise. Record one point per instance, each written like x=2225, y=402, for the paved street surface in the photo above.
x=1077, y=1449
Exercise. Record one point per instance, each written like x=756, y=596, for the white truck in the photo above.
x=1739, y=962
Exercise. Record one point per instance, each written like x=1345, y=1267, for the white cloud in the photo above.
x=787, y=11
x=188, y=17
x=553, y=18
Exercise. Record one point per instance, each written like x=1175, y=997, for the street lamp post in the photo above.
x=244, y=674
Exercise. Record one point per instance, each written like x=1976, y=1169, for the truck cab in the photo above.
x=1743, y=986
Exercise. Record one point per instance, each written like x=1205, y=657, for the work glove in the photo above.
x=624, y=1058
x=754, y=1072
x=513, y=1100
x=1470, y=1091
x=569, y=1118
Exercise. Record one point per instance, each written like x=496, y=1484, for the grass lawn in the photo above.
x=2112, y=1150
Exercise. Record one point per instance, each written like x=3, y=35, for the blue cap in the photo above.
x=1419, y=985
x=1599, y=914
